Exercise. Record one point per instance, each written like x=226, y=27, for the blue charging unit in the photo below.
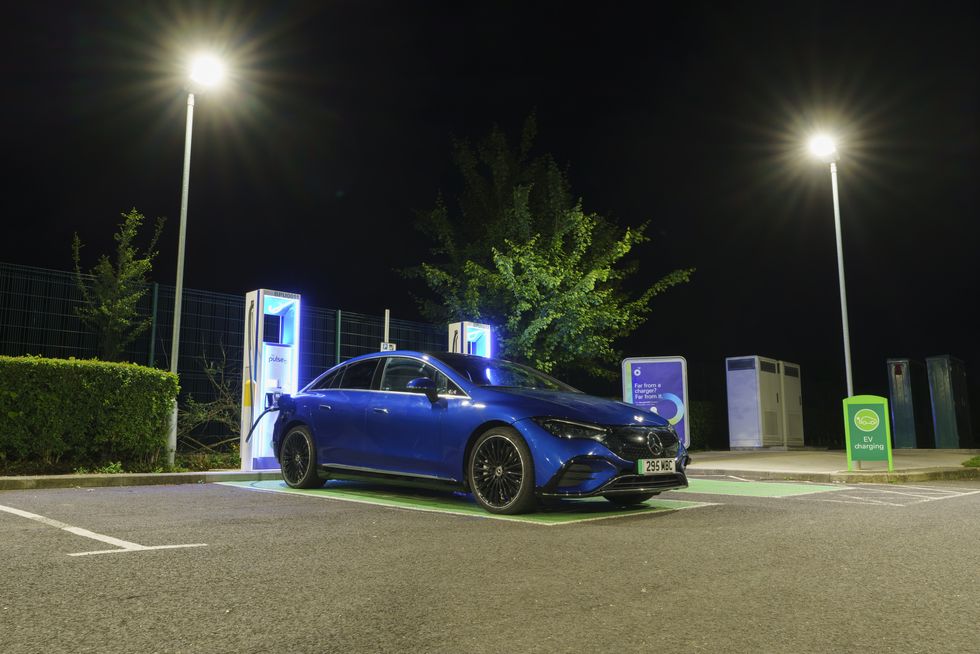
x=270, y=368
x=471, y=338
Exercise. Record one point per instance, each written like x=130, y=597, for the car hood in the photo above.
x=529, y=403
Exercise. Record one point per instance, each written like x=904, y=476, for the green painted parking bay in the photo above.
x=564, y=512
x=753, y=488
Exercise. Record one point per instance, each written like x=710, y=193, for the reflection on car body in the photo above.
x=509, y=434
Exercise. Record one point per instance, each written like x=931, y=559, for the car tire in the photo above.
x=630, y=499
x=500, y=472
x=297, y=459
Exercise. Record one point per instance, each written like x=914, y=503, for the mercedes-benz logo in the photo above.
x=653, y=442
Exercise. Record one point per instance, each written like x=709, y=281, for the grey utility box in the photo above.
x=765, y=402
x=950, y=405
x=908, y=399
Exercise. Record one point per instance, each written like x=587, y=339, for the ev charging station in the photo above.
x=470, y=338
x=270, y=367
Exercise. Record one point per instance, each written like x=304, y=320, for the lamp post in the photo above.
x=206, y=72
x=824, y=148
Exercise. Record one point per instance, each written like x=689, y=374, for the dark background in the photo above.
x=308, y=170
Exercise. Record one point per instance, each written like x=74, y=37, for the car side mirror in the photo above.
x=426, y=386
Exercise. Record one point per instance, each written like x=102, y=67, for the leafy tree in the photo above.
x=113, y=292
x=521, y=253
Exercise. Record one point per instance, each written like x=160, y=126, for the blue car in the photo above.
x=507, y=433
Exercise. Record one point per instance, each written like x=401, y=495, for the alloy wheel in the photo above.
x=497, y=472
x=295, y=458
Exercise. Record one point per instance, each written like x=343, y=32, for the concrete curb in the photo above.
x=154, y=479
x=132, y=479
x=844, y=477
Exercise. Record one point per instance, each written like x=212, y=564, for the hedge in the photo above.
x=58, y=413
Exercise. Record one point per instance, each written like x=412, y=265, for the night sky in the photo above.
x=307, y=172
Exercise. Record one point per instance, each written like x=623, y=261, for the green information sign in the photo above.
x=867, y=429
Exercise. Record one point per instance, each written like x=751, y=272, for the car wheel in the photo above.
x=297, y=458
x=501, y=472
x=630, y=499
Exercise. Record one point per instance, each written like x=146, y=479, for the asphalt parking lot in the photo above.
x=733, y=566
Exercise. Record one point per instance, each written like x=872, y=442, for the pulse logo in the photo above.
x=275, y=358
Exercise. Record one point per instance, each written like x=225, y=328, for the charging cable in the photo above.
x=258, y=420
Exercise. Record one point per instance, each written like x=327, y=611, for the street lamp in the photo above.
x=206, y=72
x=824, y=148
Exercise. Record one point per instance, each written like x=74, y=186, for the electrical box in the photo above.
x=470, y=338
x=950, y=404
x=765, y=402
x=270, y=368
x=791, y=403
x=908, y=399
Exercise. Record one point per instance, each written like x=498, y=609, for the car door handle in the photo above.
x=380, y=409
x=326, y=407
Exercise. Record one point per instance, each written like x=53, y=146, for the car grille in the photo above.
x=634, y=442
x=637, y=482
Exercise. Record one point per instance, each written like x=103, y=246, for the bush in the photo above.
x=58, y=414
x=703, y=425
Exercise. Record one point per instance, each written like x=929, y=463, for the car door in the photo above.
x=403, y=428
x=338, y=418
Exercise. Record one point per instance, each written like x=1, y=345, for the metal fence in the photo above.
x=38, y=316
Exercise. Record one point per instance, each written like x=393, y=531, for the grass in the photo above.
x=196, y=461
x=113, y=468
x=972, y=463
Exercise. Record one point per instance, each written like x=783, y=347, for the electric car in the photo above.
x=507, y=433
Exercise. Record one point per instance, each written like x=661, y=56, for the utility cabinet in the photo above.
x=950, y=404
x=765, y=402
x=908, y=399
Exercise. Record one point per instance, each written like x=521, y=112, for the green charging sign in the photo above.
x=867, y=430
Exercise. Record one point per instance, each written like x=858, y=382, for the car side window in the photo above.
x=447, y=386
x=401, y=370
x=358, y=376
x=329, y=381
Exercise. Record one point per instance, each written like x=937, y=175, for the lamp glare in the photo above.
x=207, y=70
x=823, y=146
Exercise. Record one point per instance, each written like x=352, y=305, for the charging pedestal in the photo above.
x=270, y=367
x=470, y=338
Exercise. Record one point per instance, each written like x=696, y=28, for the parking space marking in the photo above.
x=875, y=494
x=121, y=545
x=573, y=511
x=703, y=486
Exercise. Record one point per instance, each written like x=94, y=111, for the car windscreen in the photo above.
x=495, y=372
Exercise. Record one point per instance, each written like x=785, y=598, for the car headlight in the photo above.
x=572, y=429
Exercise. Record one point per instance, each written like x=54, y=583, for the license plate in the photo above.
x=655, y=466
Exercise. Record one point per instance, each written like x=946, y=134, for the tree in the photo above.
x=521, y=253
x=111, y=291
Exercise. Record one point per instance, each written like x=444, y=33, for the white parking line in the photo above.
x=861, y=502
x=872, y=494
x=123, y=545
x=948, y=497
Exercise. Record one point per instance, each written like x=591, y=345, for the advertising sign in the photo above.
x=867, y=430
x=659, y=385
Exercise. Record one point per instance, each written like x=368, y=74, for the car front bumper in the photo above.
x=590, y=476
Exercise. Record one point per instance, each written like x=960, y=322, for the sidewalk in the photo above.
x=799, y=465
x=831, y=465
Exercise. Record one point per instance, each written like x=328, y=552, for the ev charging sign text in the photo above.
x=659, y=384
